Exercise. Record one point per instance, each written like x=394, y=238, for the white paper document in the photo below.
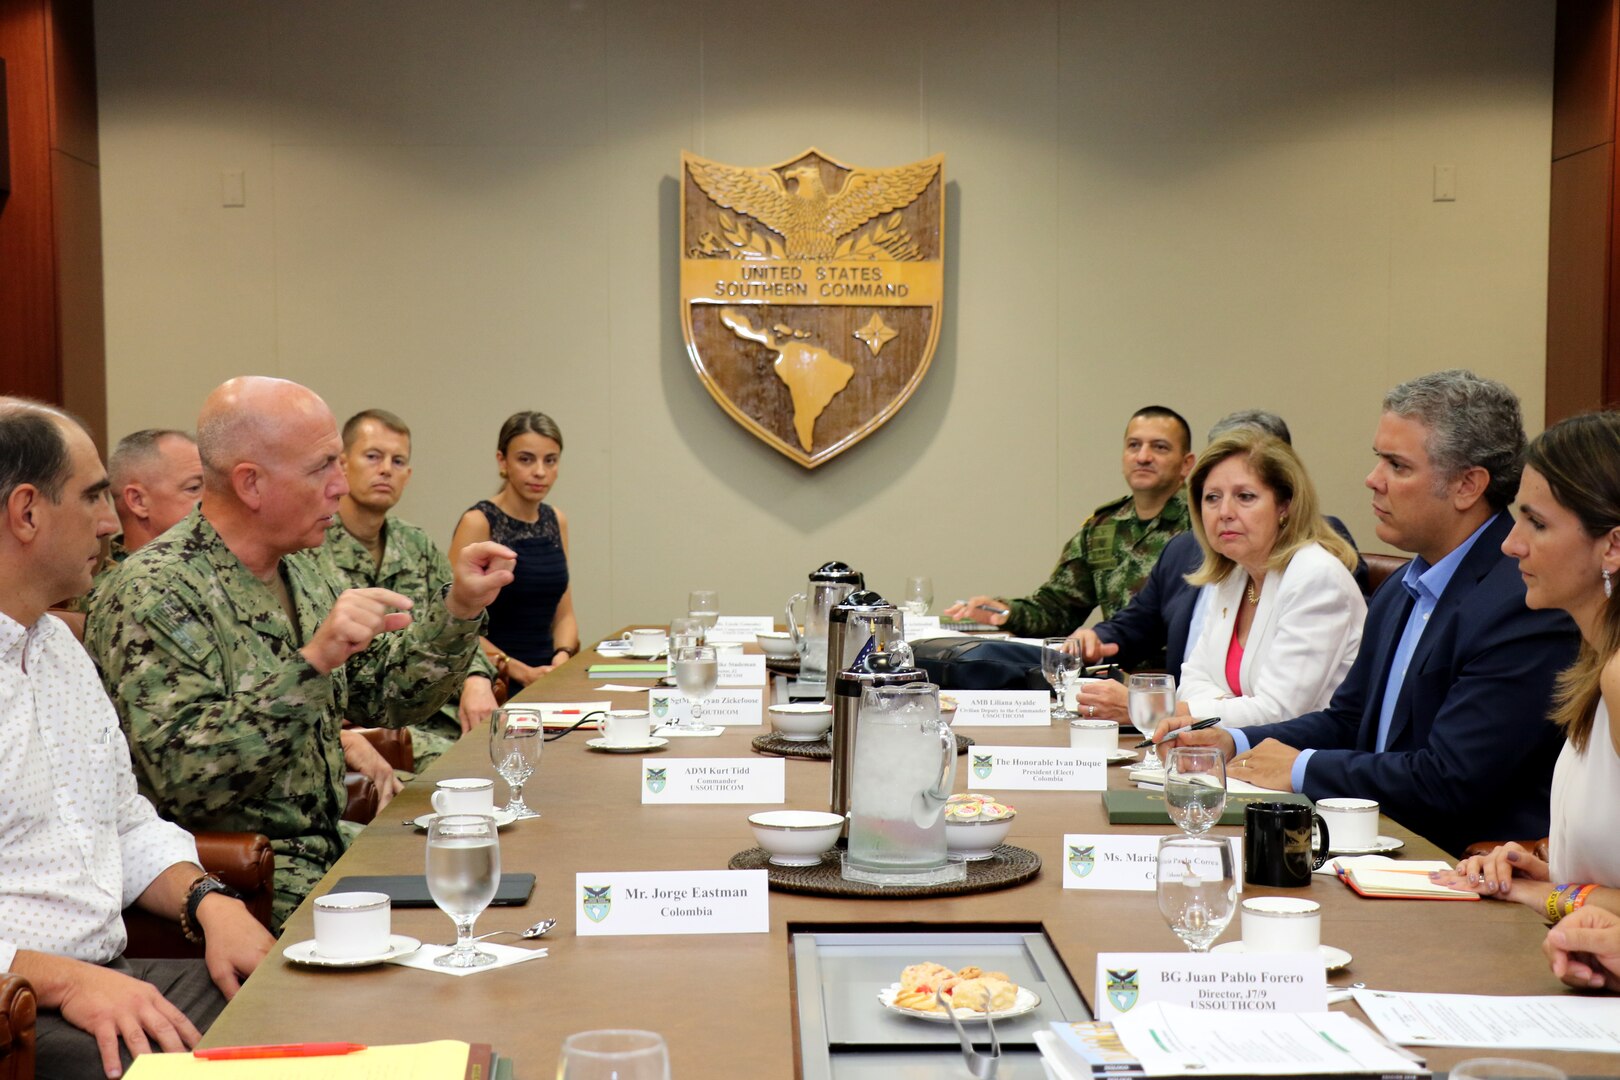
x=1500, y=1023
x=740, y=628
x=1172, y=1040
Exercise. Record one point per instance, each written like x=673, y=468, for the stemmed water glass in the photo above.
x=614, y=1055
x=684, y=631
x=1061, y=669
x=919, y=596
x=516, y=737
x=696, y=673
x=1195, y=788
x=1151, y=698
x=463, y=872
x=1197, y=888
x=704, y=606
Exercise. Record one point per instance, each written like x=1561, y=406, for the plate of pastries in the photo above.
x=967, y=990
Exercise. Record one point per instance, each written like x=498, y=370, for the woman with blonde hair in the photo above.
x=1281, y=612
x=1567, y=541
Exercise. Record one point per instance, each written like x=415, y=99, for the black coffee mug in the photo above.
x=1277, y=848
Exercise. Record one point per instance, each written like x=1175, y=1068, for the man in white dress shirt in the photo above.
x=79, y=843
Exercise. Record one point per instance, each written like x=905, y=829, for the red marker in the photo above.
x=284, y=1050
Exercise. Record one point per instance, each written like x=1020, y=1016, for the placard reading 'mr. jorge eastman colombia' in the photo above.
x=810, y=293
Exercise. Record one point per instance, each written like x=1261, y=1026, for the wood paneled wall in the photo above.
x=52, y=340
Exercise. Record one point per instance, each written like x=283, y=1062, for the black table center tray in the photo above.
x=820, y=750
x=1009, y=866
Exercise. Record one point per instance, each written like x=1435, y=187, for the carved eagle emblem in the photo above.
x=809, y=218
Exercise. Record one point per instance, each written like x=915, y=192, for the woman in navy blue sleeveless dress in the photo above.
x=531, y=623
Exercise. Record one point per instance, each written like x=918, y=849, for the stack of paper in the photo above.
x=1384, y=878
x=1173, y=1040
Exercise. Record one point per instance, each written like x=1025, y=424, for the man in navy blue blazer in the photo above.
x=1443, y=717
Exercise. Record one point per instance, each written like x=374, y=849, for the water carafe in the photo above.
x=905, y=761
x=827, y=586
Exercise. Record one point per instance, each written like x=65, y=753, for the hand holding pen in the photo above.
x=1200, y=726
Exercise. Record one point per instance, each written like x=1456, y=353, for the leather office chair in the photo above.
x=1380, y=567
x=17, y=1011
x=244, y=861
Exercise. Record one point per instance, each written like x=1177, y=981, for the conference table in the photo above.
x=725, y=1003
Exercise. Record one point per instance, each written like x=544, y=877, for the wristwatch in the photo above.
x=208, y=883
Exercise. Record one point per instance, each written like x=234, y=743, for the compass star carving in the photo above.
x=809, y=218
x=876, y=333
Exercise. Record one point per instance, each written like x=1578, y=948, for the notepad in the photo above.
x=1380, y=877
x=443, y=1060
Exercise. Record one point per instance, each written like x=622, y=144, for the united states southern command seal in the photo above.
x=810, y=293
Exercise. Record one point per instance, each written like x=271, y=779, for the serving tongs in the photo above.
x=980, y=1066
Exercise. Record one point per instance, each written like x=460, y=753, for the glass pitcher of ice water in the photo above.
x=905, y=760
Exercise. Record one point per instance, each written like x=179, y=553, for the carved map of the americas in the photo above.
x=813, y=376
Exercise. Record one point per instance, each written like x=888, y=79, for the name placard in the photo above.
x=1248, y=982
x=1036, y=768
x=747, y=670
x=728, y=708
x=672, y=902
x=1120, y=862
x=740, y=628
x=1002, y=708
x=918, y=625
x=713, y=780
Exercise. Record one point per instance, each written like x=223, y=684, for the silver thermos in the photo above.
x=862, y=622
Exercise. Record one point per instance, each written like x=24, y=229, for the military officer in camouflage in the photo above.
x=232, y=659
x=365, y=547
x=1106, y=562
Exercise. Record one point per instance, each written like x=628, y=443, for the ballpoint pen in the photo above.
x=1200, y=726
x=991, y=610
x=282, y=1050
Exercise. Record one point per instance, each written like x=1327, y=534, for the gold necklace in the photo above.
x=1254, y=597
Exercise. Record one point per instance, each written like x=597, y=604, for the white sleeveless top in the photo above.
x=1585, y=846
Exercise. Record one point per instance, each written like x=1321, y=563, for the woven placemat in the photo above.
x=1007, y=867
x=783, y=665
x=820, y=750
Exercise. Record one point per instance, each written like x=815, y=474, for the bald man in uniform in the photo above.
x=233, y=660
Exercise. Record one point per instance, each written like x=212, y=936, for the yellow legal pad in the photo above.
x=443, y=1060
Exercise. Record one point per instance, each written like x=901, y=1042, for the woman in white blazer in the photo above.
x=1281, y=614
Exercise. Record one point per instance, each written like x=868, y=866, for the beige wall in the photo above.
x=457, y=210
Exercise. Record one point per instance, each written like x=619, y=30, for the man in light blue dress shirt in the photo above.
x=1442, y=719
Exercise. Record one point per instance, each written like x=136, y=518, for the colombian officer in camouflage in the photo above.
x=1106, y=562
x=232, y=659
x=365, y=547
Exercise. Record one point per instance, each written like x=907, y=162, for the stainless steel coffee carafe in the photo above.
x=828, y=585
x=862, y=622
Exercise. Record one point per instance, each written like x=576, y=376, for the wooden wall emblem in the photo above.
x=811, y=292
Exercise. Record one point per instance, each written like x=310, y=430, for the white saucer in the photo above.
x=502, y=817
x=1025, y=1001
x=626, y=748
x=304, y=953
x=1333, y=959
x=1121, y=756
x=1383, y=844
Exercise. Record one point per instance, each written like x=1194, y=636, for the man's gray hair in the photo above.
x=1471, y=421
x=137, y=449
x=1259, y=419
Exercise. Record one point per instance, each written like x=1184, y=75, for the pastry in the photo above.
x=919, y=982
x=970, y=994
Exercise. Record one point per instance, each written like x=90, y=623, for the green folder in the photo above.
x=1142, y=806
x=629, y=671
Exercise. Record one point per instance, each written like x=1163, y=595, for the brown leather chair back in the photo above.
x=244, y=861
x=394, y=744
x=17, y=1011
x=1380, y=567
x=363, y=798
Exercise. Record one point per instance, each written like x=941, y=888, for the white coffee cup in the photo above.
x=350, y=924
x=627, y=727
x=1071, y=693
x=464, y=795
x=731, y=649
x=1274, y=924
x=1088, y=734
x=645, y=641
x=1352, y=823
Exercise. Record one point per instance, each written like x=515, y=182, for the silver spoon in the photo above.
x=539, y=929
